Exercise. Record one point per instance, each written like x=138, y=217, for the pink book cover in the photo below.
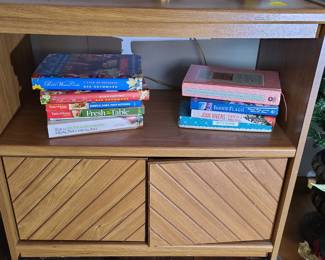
x=63, y=97
x=251, y=86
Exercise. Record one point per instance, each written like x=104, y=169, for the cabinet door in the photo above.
x=77, y=199
x=213, y=201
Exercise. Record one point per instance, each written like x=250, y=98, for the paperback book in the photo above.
x=64, y=97
x=247, y=125
x=233, y=107
x=86, y=126
x=94, y=72
x=259, y=87
x=93, y=105
x=91, y=113
x=233, y=118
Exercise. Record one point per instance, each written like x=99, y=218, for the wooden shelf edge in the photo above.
x=149, y=20
x=70, y=249
x=149, y=11
x=178, y=30
x=92, y=151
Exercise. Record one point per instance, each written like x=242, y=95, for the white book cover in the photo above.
x=70, y=127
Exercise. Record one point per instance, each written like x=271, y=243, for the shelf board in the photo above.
x=172, y=4
x=26, y=135
x=165, y=18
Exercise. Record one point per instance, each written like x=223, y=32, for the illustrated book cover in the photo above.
x=90, y=113
x=92, y=105
x=64, y=97
x=187, y=121
x=94, y=72
x=233, y=118
x=233, y=107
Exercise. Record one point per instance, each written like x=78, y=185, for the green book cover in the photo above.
x=94, y=113
x=114, y=112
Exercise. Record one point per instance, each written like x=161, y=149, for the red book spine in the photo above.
x=59, y=114
x=57, y=107
x=75, y=97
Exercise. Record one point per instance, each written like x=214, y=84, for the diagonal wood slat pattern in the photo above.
x=123, y=231
x=214, y=201
x=24, y=175
x=12, y=163
x=78, y=199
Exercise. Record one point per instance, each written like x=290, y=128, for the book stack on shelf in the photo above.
x=91, y=93
x=230, y=99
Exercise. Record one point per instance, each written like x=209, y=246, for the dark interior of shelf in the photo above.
x=28, y=127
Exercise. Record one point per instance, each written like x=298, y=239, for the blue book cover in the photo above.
x=93, y=72
x=233, y=107
x=186, y=121
x=93, y=105
x=122, y=104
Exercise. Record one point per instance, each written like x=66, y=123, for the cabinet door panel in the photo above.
x=214, y=201
x=77, y=199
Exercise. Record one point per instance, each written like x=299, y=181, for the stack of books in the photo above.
x=230, y=99
x=91, y=93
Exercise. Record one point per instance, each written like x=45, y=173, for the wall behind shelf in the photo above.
x=162, y=60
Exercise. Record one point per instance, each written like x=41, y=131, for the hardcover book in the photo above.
x=87, y=126
x=90, y=113
x=64, y=97
x=233, y=107
x=93, y=105
x=94, y=72
x=259, y=87
x=186, y=121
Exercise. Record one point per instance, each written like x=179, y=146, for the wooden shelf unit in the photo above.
x=160, y=137
x=136, y=182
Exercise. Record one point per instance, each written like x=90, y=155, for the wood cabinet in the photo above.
x=159, y=190
x=214, y=201
x=77, y=199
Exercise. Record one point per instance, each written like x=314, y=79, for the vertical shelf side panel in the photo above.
x=15, y=69
x=7, y=214
x=301, y=64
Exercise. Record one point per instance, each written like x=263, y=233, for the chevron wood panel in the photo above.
x=12, y=163
x=213, y=201
x=123, y=231
x=78, y=199
x=24, y=175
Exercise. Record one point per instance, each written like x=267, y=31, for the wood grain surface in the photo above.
x=93, y=249
x=8, y=216
x=78, y=199
x=214, y=201
x=300, y=63
x=15, y=53
x=160, y=137
x=293, y=5
x=163, y=18
x=300, y=85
